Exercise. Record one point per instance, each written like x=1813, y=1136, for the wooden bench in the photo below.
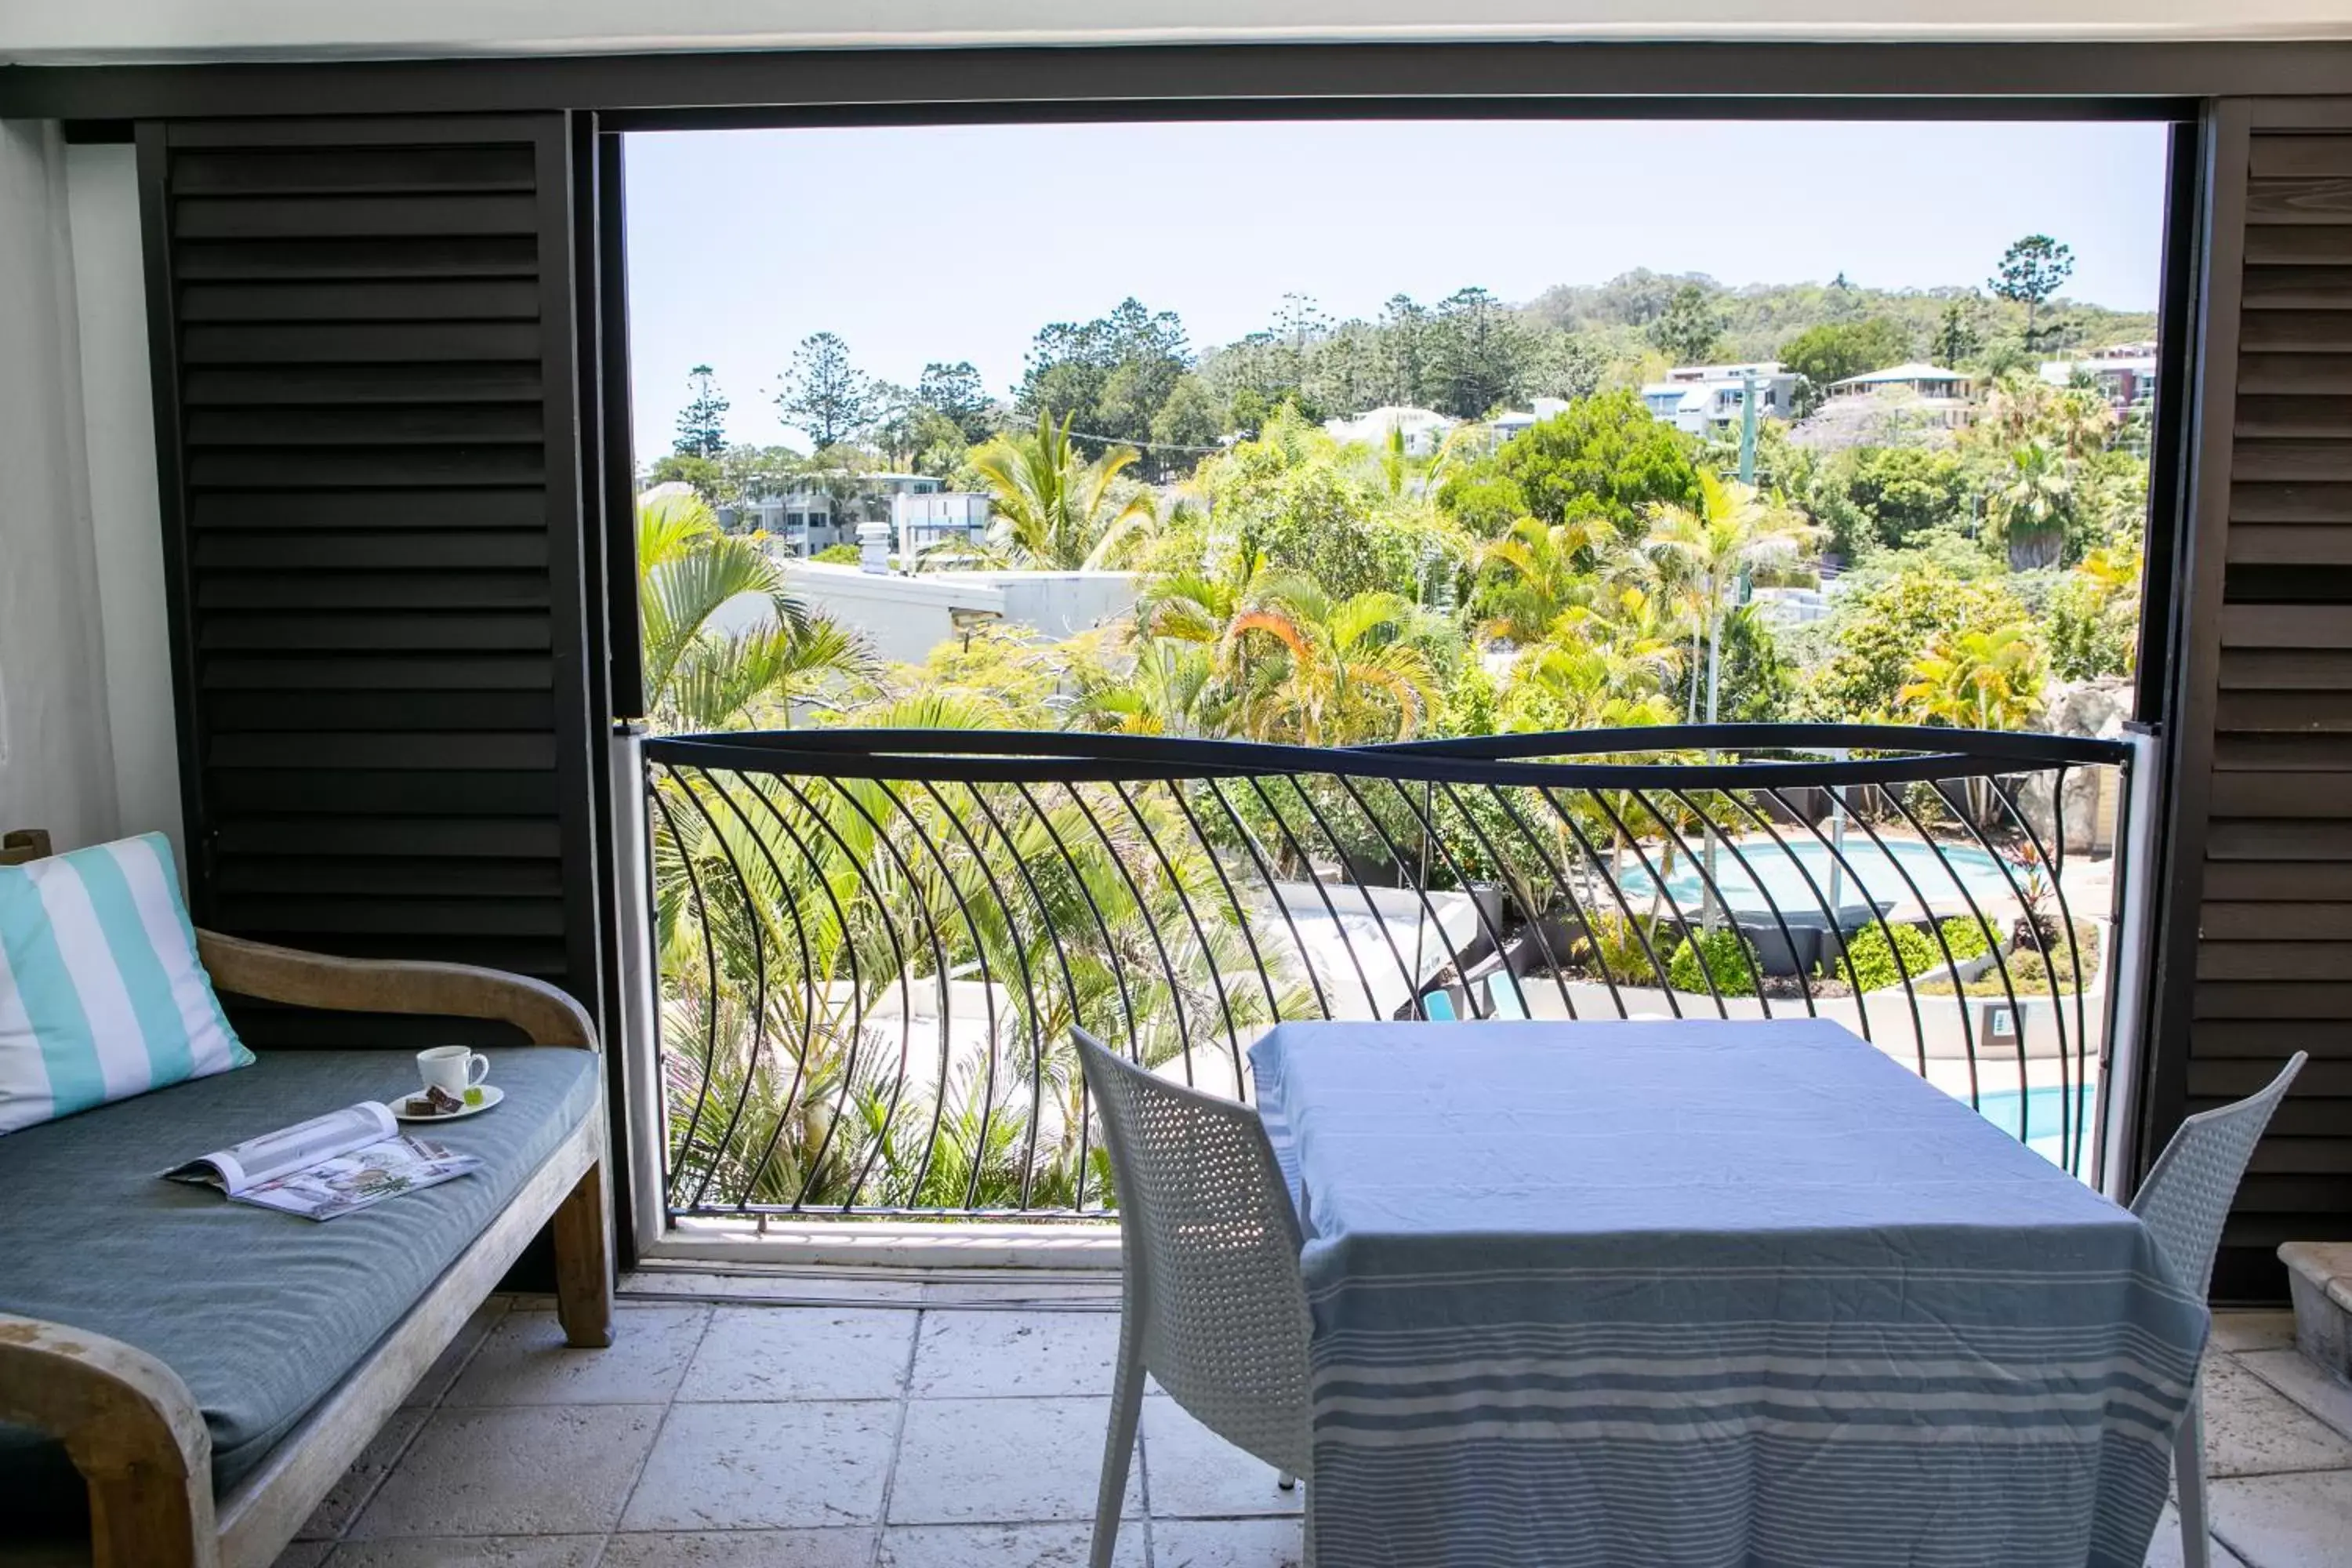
x=130, y=1424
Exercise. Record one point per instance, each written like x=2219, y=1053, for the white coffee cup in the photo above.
x=452, y=1069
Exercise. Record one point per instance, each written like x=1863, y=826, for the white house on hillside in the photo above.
x=1423, y=429
x=1703, y=398
x=2125, y=373
x=1506, y=425
x=809, y=521
x=1943, y=393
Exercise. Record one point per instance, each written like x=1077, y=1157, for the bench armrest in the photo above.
x=394, y=985
x=131, y=1427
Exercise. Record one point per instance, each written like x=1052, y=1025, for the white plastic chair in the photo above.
x=1212, y=1302
x=2184, y=1202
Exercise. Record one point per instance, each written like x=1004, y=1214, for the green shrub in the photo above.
x=1966, y=938
x=837, y=555
x=1730, y=958
x=1879, y=964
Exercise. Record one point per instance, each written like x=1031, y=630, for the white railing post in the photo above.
x=640, y=1043
x=2131, y=929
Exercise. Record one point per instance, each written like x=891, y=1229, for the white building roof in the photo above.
x=1915, y=371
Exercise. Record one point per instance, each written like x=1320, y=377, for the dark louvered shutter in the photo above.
x=2265, y=795
x=365, y=388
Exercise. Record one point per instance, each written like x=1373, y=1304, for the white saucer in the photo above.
x=491, y=1094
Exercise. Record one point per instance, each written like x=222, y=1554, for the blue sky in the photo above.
x=949, y=243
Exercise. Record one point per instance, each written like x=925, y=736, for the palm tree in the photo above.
x=2030, y=503
x=1537, y=571
x=1979, y=680
x=1353, y=671
x=698, y=677
x=1054, y=509
x=1706, y=550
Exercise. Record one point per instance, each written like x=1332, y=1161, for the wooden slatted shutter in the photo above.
x=363, y=347
x=2259, y=950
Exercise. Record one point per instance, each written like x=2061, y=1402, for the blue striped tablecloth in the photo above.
x=1729, y=1294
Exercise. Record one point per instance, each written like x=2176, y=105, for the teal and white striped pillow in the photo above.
x=101, y=997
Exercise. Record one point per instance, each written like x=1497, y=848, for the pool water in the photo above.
x=1763, y=875
x=2039, y=1109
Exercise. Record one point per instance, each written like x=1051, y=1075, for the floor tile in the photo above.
x=525, y=1361
x=979, y=1354
x=766, y=1467
x=341, y=1505
x=1236, y=1543
x=801, y=1352
x=2287, y=1521
x=1002, y=1461
x=2164, y=1547
x=1005, y=1546
x=471, y=1552
x=2252, y=1430
x=2300, y=1381
x=820, y=1288
x=846, y=1547
x=514, y=1471
x=434, y=1384
x=2252, y=1330
x=1192, y=1472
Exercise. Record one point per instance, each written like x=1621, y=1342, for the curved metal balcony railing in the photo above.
x=872, y=944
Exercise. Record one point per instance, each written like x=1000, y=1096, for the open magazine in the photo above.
x=328, y=1165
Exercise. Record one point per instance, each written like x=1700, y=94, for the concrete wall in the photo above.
x=87, y=749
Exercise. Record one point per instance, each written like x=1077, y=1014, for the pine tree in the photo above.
x=2031, y=272
x=702, y=423
x=825, y=394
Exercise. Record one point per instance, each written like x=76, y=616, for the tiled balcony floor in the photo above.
x=852, y=1437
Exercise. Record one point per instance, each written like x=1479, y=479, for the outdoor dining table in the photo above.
x=1703, y=1292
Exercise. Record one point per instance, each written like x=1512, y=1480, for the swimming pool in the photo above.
x=1763, y=876
x=2040, y=1109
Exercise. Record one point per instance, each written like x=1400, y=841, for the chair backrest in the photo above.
x=1211, y=1248
x=1504, y=997
x=1438, y=1007
x=2185, y=1199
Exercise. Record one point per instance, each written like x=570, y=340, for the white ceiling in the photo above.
x=68, y=31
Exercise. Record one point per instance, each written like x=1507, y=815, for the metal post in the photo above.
x=639, y=1043
x=2130, y=932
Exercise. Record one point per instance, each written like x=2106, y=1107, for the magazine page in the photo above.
x=289, y=1149
x=354, y=1179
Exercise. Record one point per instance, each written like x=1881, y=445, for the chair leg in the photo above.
x=1285, y=1481
x=2189, y=1469
x=583, y=1264
x=1118, y=1443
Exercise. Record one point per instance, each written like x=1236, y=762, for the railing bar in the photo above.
x=1661, y=891
x=1566, y=885
x=760, y=988
x=1069, y=985
x=1306, y=869
x=1616, y=892
x=856, y=984
x=1535, y=916
x=1918, y=1028
x=1426, y=815
x=1833, y=927
x=1962, y=812
x=939, y=981
x=710, y=972
x=1935, y=929
x=1200, y=933
x=947, y=1005
x=1028, y=991
x=1241, y=915
x=2042, y=945
x=1788, y=937
x=1707, y=882
x=1380, y=922
x=1265, y=876
x=1143, y=913
x=905, y=967
x=1959, y=987
x=1110, y=961
x=1397, y=858
x=808, y=970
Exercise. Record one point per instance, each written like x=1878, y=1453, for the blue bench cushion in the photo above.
x=260, y=1314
